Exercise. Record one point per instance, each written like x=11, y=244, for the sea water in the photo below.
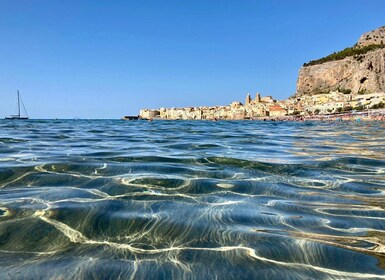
x=111, y=199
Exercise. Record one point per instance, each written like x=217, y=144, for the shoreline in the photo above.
x=349, y=116
x=373, y=115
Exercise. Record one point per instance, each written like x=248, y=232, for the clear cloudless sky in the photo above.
x=106, y=59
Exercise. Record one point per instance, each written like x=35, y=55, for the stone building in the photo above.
x=276, y=111
x=149, y=114
x=252, y=109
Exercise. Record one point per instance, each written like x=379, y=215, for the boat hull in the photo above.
x=16, y=118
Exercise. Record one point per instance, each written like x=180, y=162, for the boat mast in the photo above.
x=18, y=103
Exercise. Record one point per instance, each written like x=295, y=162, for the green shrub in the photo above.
x=344, y=90
x=359, y=108
x=294, y=113
x=378, y=106
x=347, y=108
x=353, y=51
x=362, y=91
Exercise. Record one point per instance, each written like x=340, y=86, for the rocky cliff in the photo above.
x=361, y=70
x=376, y=36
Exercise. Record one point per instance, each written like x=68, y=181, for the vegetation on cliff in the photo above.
x=353, y=51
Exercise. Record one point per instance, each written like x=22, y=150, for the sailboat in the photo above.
x=18, y=116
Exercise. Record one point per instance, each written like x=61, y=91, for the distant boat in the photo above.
x=131, y=118
x=18, y=116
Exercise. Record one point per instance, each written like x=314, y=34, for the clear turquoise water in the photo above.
x=113, y=199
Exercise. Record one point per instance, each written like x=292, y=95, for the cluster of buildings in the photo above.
x=263, y=107
x=357, y=73
x=333, y=102
x=251, y=109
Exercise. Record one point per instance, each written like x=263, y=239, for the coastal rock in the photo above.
x=360, y=73
x=376, y=37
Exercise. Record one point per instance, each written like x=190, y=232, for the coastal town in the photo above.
x=267, y=107
x=351, y=81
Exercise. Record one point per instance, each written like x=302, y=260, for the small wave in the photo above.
x=183, y=200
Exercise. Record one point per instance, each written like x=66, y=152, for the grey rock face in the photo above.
x=359, y=73
x=376, y=37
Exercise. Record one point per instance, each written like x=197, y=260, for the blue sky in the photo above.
x=106, y=59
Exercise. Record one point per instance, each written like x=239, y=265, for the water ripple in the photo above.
x=191, y=200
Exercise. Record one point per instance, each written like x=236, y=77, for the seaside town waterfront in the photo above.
x=350, y=82
x=333, y=105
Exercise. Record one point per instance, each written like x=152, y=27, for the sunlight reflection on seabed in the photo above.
x=191, y=200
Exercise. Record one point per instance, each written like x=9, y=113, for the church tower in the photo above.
x=248, y=99
x=257, y=97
